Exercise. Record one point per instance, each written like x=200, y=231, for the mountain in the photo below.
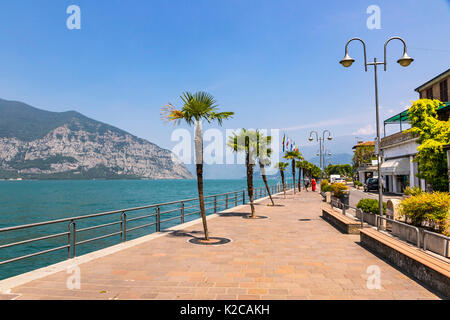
x=39, y=144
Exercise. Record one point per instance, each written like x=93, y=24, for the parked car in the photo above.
x=371, y=184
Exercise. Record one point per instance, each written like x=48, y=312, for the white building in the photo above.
x=399, y=149
x=398, y=168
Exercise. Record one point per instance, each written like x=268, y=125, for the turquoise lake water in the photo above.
x=24, y=202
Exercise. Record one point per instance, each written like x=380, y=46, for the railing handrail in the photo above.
x=100, y=214
x=73, y=231
x=378, y=217
x=436, y=234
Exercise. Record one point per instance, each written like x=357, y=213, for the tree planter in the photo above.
x=435, y=243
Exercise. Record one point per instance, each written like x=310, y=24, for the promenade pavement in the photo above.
x=293, y=254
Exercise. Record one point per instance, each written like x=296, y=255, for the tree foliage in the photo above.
x=341, y=169
x=363, y=154
x=433, y=135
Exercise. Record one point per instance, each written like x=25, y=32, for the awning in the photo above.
x=397, y=167
x=403, y=117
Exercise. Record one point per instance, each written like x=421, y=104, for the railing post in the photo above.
x=158, y=220
x=362, y=218
x=215, y=204
x=235, y=199
x=69, y=239
x=243, y=197
x=73, y=238
x=182, y=212
x=226, y=201
x=123, y=226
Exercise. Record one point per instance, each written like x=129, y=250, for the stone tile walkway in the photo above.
x=294, y=254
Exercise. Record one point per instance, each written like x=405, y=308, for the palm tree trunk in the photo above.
x=293, y=174
x=250, y=182
x=299, y=180
x=282, y=181
x=199, y=164
x=264, y=177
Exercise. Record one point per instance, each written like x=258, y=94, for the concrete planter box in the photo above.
x=435, y=243
x=369, y=217
x=326, y=196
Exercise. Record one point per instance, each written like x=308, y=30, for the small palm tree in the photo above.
x=303, y=168
x=245, y=142
x=293, y=155
x=299, y=166
x=197, y=107
x=282, y=166
x=263, y=153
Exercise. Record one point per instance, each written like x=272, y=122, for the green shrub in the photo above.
x=327, y=188
x=370, y=205
x=338, y=189
x=324, y=184
x=414, y=191
x=431, y=209
x=357, y=183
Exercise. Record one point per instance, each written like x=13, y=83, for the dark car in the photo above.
x=371, y=184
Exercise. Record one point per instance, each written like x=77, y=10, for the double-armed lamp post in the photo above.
x=404, y=61
x=321, y=141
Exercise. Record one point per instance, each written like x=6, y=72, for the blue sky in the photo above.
x=274, y=63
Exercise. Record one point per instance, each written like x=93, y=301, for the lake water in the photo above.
x=24, y=202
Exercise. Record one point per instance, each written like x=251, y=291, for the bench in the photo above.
x=432, y=271
x=340, y=221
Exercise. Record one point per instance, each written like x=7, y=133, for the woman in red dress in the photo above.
x=313, y=183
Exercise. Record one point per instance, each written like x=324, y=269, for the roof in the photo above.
x=364, y=144
x=435, y=79
x=403, y=116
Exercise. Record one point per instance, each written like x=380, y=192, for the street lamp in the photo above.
x=321, y=141
x=404, y=61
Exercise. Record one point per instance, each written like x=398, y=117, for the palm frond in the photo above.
x=171, y=114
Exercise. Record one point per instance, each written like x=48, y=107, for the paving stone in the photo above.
x=276, y=258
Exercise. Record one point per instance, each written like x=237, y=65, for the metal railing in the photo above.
x=426, y=232
x=160, y=214
x=379, y=218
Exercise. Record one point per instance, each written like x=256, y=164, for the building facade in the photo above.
x=399, y=149
x=368, y=168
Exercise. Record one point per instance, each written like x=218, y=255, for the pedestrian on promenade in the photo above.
x=306, y=184
x=313, y=183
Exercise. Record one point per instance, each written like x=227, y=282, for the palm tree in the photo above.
x=282, y=166
x=263, y=153
x=292, y=155
x=300, y=166
x=197, y=107
x=245, y=142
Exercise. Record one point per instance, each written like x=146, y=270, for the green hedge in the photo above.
x=370, y=205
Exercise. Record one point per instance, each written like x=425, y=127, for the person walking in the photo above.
x=313, y=183
x=306, y=182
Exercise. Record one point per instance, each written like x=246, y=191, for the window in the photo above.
x=443, y=90
x=421, y=94
x=430, y=93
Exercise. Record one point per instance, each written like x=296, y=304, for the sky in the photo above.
x=273, y=62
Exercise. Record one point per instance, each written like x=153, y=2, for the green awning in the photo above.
x=402, y=117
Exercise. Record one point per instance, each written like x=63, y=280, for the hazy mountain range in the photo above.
x=39, y=144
